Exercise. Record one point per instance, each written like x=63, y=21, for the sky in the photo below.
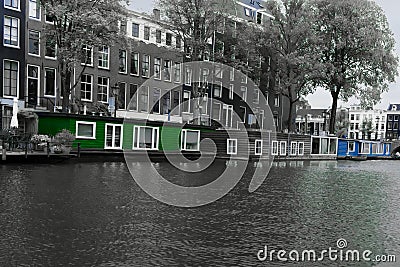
x=322, y=98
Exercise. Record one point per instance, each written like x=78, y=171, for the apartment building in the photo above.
x=393, y=122
x=12, y=57
x=366, y=123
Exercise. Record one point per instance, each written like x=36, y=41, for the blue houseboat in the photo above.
x=353, y=149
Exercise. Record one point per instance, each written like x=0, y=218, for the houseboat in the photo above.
x=363, y=149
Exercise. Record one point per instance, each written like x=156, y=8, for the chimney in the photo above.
x=157, y=14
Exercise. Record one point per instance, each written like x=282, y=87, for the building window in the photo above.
x=103, y=88
x=243, y=91
x=11, y=78
x=123, y=27
x=114, y=134
x=166, y=103
x=256, y=98
x=33, y=80
x=168, y=39
x=146, y=66
x=283, y=148
x=301, y=149
x=145, y=138
x=51, y=46
x=157, y=68
x=177, y=72
x=34, y=9
x=135, y=64
x=186, y=101
x=121, y=103
x=133, y=101
x=190, y=140
x=11, y=31
x=188, y=76
x=178, y=42
x=156, y=101
x=231, y=146
x=143, y=99
x=6, y=117
x=12, y=4
x=34, y=43
x=85, y=130
x=216, y=111
x=293, y=148
x=231, y=91
x=135, y=30
x=104, y=57
x=86, y=87
x=218, y=90
x=88, y=55
x=275, y=148
x=50, y=82
x=158, y=36
x=258, y=147
x=167, y=73
x=146, y=33
x=122, y=61
x=277, y=101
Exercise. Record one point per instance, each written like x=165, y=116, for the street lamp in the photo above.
x=115, y=91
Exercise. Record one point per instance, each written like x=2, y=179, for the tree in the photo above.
x=367, y=129
x=358, y=51
x=78, y=24
x=292, y=45
x=195, y=23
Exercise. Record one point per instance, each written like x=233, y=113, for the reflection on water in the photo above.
x=93, y=214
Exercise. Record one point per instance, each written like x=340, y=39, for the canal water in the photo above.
x=94, y=214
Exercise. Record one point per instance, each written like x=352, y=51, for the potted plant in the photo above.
x=63, y=142
x=40, y=141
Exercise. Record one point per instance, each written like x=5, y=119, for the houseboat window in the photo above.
x=387, y=149
x=332, y=146
x=375, y=148
x=293, y=148
x=283, y=148
x=352, y=147
x=275, y=145
x=258, y=147
x=232, y=146
x=113, y=136
x=190, y=140
x=85, y=130
x=145, y=138
x=301, y=149
x=324, y=146
x=381, y=149
x=365, y=148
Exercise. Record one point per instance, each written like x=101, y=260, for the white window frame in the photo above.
x=138, y=65
x=87, y=48
x=244, y=97
x=188, y=101
x=13, y=8
x=155, y=131
x=219, y=84
x=257, y=99
x=55, y=82
x=113, y=136
x=157, y=76
x=388, y=148
x=275, y=148
x=125, y=63
x=300, y=148
x=293, y=148
x=258, y=144
x=283, y=148
x=231, y=91
x=354, y=146
x=28, y=36
x=18, y=76
x=177, y=70
x=235, y=147
x=102, y=85
x=55, y=51
x=363, y=144
x=85, y=123
x=166, y=68
x=145, y=56
x=91, y=88
x=18, y=31
x=101, y=57
x=33, y=78
x=188, y=81
x=35, y=2
x=184, y=140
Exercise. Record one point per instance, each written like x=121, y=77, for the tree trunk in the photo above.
x=290, y=116
x=65, y=87
x=332, y=121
